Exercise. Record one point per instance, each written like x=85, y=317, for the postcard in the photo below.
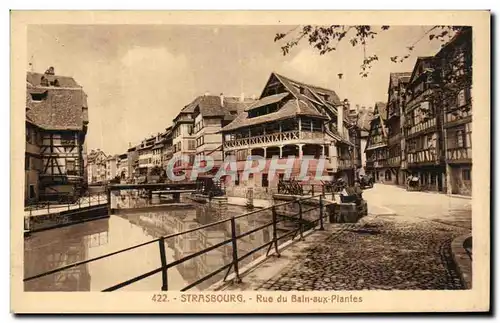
x=250, y=161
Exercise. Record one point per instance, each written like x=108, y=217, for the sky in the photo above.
x=138, y=77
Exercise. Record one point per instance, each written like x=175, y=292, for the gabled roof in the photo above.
x=275, y=98
x=290, y=109
x=305, y=99
x=380, y=110
x=396, y=78
x=210, y=105
x=420, y=60
x=55, y=107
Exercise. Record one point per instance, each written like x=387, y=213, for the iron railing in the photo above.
x=237, y=258
x=83, y=201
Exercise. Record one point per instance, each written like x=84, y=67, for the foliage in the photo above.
x=326, y=39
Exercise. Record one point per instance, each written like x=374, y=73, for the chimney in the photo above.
x=50, y=71
x=253, y=97
x=129, y=144
x=340, y=120
x=207, y=93
x=242, y=97
x=222, y=99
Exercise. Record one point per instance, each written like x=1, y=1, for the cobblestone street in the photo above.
x=406, y=250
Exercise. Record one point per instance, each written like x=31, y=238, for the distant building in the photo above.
x=183, y=139
x=56, y=126
x=212, y=113
x=122, y=166
x=395, y=140
x=96, y=166
x=376, y=147
x=111, y=167
x=167, y=151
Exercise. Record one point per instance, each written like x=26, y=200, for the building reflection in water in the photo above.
x=161, y=223
x=65, y=246
x=55, y=248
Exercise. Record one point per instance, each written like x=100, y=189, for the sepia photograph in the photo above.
x=215, y=164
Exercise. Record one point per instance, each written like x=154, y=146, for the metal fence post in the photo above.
x=323, y=189
x=164, y=269
x=48, y=206
x=275, y=234
x=321, y=227
x=237, y=278
x=89, y=198
x=300, y=221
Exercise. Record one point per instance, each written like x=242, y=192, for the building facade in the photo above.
x=122, y=167
x=395, y=139
x=376, y=147
x=289, y=119
x=57, y=121
x=455, y=61
x=96, y=166
x=422, y=127
x=211, y=114
x=183, y=139
x=111, y=167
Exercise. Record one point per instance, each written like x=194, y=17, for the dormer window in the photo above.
x=37, y=97
x=301, y=90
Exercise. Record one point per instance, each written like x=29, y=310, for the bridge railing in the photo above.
x=65, y=203
x=297, y=211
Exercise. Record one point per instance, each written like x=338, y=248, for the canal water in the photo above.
x=55, y=248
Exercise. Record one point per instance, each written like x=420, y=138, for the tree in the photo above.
x=326, y=39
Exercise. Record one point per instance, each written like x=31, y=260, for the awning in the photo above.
x=267, y=100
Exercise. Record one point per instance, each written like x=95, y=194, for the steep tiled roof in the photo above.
x=306, y=99
x=59, y=106
x=268, y=100
x=35, y=79
x=290, y=109
x=382, y=109
x=395, y=78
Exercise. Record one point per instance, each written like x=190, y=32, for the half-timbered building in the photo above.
x=57, y=106
x=376, y=146
x=456, y=69
x=395, y=138
x=422, y=126
x=290, y=118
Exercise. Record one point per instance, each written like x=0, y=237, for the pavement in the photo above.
x=404, y=244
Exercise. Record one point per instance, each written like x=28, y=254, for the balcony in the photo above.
x=463, y=154
x=457, y=117
x=425, y=156
x=394, y=161
x=274, y=138
x=381, y=163
x=344, y=163
x=422, y=127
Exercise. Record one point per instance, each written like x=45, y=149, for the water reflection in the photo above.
x=58, y=247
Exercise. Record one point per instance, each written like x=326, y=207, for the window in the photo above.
x=32, y=191
x=237, y=179
x=28, y=135
x=191, y=144
x=70, y=167
x=265, y=181
x=460, y=138
x=466, y=176
x=27, y=165
x=67, y=139
x=189, y=128
x=250, y=176
x=37, y=97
